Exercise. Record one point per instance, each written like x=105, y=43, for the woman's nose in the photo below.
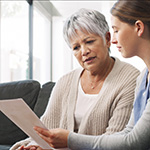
x=85, y=51
x=114, y=40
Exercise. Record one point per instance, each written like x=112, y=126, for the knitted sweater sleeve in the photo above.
x=54, y=107
x=136, y=138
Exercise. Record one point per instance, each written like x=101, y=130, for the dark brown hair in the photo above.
x=130, y=11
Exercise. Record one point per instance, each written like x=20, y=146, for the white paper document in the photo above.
x=21, y=114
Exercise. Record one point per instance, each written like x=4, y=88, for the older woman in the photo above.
x=97, y=98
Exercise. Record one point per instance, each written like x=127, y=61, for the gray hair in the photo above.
x=90, y=20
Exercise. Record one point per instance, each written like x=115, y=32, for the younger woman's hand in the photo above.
x=56, y=138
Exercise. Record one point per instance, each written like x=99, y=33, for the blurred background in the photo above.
x=31, y=39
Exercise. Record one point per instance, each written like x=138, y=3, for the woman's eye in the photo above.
x=115, y=31
x=76, y=48
x=91, y=41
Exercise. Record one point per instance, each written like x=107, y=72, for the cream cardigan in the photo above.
x=111, y=111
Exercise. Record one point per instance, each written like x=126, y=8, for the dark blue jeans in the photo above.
x=5, y=147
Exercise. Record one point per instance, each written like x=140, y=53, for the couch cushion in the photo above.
x=26, y=89
x=43, y=98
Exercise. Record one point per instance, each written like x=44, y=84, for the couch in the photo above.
x=34, y=94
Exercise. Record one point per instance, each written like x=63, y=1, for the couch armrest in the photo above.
x=43, y=98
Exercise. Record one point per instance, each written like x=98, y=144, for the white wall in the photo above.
x=61, y=54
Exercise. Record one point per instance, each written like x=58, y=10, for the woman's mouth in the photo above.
x=90, y=59
x=119, y=48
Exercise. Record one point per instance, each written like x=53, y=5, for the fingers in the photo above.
x=44, y=134
x=21, y=148
x=42, y=131
x=46, y=138
x=30, y=148
x=56, y=138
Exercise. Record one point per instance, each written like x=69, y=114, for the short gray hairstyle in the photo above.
x=85, y=19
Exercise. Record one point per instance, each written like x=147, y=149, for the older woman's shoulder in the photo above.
x=124, y=66
x=71, y=76
x=74, y=72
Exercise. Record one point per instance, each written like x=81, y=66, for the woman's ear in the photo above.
x=139, y=27
x=108, y=38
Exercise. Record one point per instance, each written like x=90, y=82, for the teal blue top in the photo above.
x=141, y=98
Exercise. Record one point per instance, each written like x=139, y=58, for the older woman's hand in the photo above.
x=56, y=138
x=31, y=147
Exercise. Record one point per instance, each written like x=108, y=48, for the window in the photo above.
x=41, y=46
x=25, y=36
x=14, y=40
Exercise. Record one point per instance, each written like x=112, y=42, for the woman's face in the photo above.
x=125, y=37
x=90, y=50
